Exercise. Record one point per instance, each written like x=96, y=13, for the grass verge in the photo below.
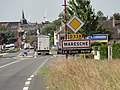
x=84, y=75
x=42, y=71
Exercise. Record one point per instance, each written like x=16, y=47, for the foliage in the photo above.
x=96, y=44
x=103, y=52
x=116, y=50
x=100, y=14
x=103, y=30
x=51, y=40
x=116, y=16
x=83, y=10
x=31, y=40
x=50, y=28
x=31, y=32
x=7, y=36
x=95, y=48
x=14, y=50
x=42, y=71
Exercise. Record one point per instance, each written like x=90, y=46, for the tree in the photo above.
x=6, y=35
x=31, y=41
x=83, y=10
x=100, y=14
x=50, y=28
x=116, y=16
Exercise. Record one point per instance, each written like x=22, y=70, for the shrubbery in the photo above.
x=14, y=50
x=116, y=50
x=103, y=52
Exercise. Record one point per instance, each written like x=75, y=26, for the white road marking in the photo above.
x=25, y=88
x=10, y=63
x=32, y=76
x=29, y=79
x=27, y=83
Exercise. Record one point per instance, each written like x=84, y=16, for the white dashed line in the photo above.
x=25, y=88
x=32, y=76
x=29, y=79
x=27, y=83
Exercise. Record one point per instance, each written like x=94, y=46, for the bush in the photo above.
x=96, y=44
x=14, y=50
x=95, y=48
x=104, y=52
x=87, y=56
x=116, y=50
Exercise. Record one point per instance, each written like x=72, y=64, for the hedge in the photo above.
x=103, y=52
x=116, y=50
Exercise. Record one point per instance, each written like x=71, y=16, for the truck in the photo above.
x=43, y=46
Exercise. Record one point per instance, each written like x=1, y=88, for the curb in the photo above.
x=3, y=54
x=24, y=57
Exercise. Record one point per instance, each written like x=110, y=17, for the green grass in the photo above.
x=42, y=71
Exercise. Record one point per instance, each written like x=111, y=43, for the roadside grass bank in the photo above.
x=82, y=75
x=42, y=71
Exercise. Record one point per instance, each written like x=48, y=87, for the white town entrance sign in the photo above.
x=85, y=43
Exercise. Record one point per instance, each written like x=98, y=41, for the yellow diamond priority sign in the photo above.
x=75, y=24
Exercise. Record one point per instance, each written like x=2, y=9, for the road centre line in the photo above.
x=10, y=63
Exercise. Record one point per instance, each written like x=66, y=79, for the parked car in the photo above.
x=9, y=47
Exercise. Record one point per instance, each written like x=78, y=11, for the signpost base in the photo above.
x=66, y=56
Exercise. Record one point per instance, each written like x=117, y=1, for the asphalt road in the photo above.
x=15, y=71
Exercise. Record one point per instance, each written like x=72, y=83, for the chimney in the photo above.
x=113, y=21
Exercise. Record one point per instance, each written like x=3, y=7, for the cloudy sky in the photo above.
x=10, y=10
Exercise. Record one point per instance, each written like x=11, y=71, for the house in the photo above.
x=114, y=27
x=20, y=27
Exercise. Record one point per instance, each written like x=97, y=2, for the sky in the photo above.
x=108, y=7
x=10, y=10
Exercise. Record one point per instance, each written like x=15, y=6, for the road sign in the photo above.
x=75, y=24
x=99, y=38
x=83, y=43
x=75, y=36
x=75, y=51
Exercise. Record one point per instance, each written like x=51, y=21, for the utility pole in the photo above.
x=65, y=27
x=65, y=18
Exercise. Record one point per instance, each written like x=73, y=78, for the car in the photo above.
x=9, y=47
